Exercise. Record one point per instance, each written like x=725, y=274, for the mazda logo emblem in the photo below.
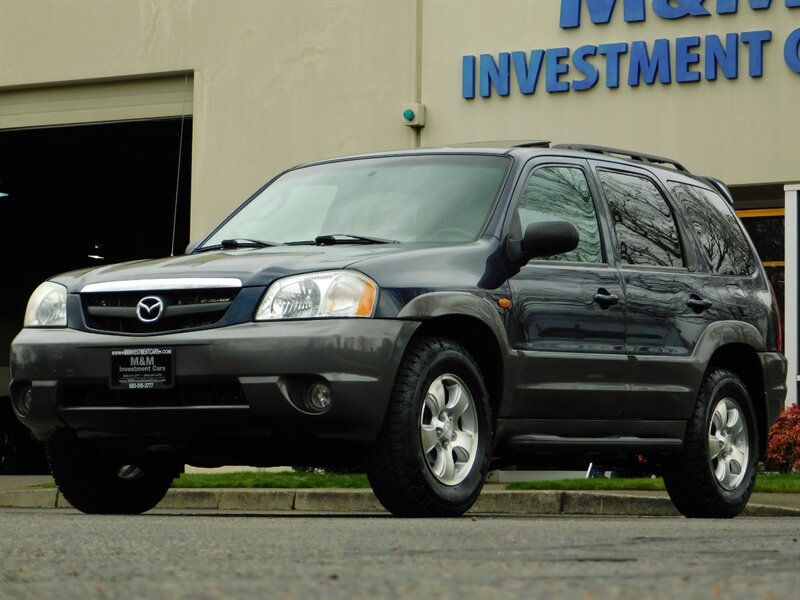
x=150, y=309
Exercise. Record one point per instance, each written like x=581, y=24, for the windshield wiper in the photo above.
x=238, y=243
x=329, y=239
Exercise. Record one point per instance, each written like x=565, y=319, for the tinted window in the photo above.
x=646, y=231
x=562, y=194
x=717, y=229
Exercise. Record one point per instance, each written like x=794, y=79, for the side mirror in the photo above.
x=192, y=245
x=546, y=238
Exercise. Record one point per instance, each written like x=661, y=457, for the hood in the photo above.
x=253, y=267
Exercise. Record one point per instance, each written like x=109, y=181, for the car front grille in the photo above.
x=205, y=394
x=116, y=312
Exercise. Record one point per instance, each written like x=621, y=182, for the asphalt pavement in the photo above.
x=230, y=554
x=26, y=492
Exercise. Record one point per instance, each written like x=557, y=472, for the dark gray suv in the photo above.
x=425, y=315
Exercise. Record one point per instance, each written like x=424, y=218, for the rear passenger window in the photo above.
x=643, y=221
x=561, y=194
x=716, y=227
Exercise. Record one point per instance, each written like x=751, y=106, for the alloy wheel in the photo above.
x=728, y=443
x=449, y=429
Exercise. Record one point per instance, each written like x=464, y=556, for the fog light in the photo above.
x=319, y=397
x=22, y=402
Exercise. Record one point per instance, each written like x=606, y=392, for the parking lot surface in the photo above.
x=172, y=554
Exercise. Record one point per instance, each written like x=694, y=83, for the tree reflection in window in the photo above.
x=643, y=221
x=562, y=194
x=716, y=227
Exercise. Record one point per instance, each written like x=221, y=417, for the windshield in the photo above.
x=425, y=198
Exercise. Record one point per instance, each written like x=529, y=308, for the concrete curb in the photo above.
x=501, y=502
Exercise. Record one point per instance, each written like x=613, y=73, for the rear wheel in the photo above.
x=95, y=483
x=431, y=456
x=715, y=474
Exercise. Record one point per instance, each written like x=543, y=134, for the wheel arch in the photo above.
x=742, y=359
x=474, y=323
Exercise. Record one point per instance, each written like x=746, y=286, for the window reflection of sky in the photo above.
x=427, y=198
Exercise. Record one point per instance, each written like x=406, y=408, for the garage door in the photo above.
x=93, y=102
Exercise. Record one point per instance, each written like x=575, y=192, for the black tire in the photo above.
x=92, y=483
x=400, y=472
x=690, y=477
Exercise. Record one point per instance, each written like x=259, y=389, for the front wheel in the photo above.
x=95, y=483
x=716, y=471
x=431, y=457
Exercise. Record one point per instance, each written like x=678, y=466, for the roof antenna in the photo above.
x=178, y=176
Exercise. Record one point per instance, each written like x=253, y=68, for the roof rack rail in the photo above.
x=636, y=156
x=721, y=188
x=532, y=144
x=501, y=144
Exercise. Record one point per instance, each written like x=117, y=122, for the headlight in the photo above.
x=47, y=306
x=316, y=295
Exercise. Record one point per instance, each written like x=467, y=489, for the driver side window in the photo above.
x=561, y=193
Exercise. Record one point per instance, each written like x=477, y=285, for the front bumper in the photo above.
x=268, y=364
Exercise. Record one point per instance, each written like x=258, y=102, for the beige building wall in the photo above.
x=278, y=82
x=275, y=82
x=742, y=131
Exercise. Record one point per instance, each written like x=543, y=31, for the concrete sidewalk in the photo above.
x=26, y=492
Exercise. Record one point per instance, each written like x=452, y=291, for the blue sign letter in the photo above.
x=727, y=7
x=527, y=72
x=589, y=71
x=755, y=41
x=726, y=58
x=645, y=66
x=791, y=51
x=492, y=73
x=666, y=9
x=612, y=52
x=555, y=69
x=599, y=12
x=684, y=58
x=468, y=76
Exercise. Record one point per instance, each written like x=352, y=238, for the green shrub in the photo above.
x=783, y=449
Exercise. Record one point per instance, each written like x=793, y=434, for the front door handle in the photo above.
x=605, y=298
x=698, y=304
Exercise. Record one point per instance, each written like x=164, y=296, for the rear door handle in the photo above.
x=698, y=304
x=605, y=298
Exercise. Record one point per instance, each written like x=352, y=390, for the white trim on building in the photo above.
x=792, y=260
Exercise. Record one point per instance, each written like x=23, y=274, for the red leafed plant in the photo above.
x=783, y=450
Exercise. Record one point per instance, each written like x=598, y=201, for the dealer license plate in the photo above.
x=142, y=368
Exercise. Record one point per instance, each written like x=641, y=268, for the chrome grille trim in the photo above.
x=182, y=283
